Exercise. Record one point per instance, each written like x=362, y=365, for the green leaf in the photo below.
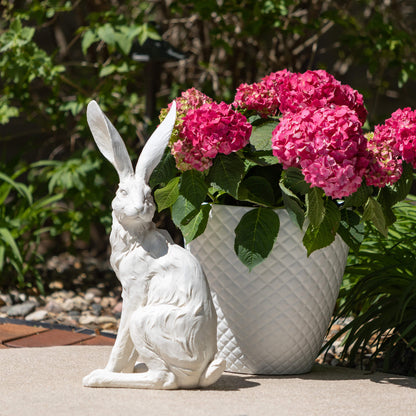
x=226, y=173
x=294, y=180
x=391, y=194
x=324, y=234
x=293, y=205
x=2, y=257
x=256, y=189
x=88, y=38
x=315, y=209
x=351, y=229
x=374, y=212
x=255, y=236
x=107, y=70
x=192, y=192
x=260, y=150
x=197, y=225
x=166, y=196
x=261, y=136
x=107, y=34
x=9, y=240
x=21, y=188
x=359, y=197
x=164, y=171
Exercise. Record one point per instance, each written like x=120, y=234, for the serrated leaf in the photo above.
x=164, y=171
x=166, y=196
x=293, y=205
x=226, y=173
x=319, y=237
x=192, y=193
x=391, y=194
x=353, y=235
x=261, y=136
x=315, y=206
x=359, y=197
x=374, y=212
x=255, y=236
x=294, y=180
x=256, y=189
x=196, y=226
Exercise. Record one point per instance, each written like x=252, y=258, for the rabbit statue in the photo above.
x=167, y=333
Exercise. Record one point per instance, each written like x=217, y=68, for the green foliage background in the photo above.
x=56, y=55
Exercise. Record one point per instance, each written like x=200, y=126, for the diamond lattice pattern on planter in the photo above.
x=272, y=320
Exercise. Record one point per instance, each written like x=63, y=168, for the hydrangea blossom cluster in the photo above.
x=385, y=167
x=391, y=143
x=327, y=144
x=189, y=99
x=402, y=127
x=261, y=97
x=206, y=131
x=316, y=89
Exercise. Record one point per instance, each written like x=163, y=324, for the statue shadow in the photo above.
x=230, y=382
x=333, y=374
x=319, y=373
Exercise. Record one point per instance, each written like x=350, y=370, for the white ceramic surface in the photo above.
x=271, y=320
x=167, y=333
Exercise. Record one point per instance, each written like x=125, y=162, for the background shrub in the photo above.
x=56, y=55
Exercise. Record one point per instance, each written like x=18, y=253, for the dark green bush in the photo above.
x=379, y=293
x=56, y=55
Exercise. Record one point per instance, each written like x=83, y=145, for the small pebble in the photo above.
x=21, y=309
x=108, y=302
x=37, y=316
x=74, y=314
x=89, y=297
x=53, y=307
x=118, y=307
x=95, y=291
x=68, y=305
x=87, y=320
x=56, y=285
x=96, y=309
x=106, y=320
x=6, y=299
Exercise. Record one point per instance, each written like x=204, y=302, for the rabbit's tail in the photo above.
x=212, y=373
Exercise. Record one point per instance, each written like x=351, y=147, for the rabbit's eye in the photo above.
x=123, y=192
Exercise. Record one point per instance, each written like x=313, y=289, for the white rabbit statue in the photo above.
x=168, y=321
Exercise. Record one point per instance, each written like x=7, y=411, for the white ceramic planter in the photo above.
x=272, y=320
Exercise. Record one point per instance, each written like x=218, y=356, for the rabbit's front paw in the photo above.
x=96, y=378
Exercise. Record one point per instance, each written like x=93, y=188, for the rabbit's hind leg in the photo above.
x=151, y=379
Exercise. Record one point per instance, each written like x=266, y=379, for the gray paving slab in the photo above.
x=47, y=381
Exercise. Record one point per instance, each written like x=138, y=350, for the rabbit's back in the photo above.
x=178, y=322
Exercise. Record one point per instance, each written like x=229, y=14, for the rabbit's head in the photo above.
x=133, y=202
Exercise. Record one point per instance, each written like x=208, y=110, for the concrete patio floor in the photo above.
x=47, y=381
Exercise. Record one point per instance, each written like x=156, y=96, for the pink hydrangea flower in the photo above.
x=385, y=167
x=327, y=144
x=401, y=128
x=261, y=97
x=190, y=99
x=316, y=89
x=208, y=130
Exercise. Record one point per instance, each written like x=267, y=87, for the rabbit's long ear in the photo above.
x=155, y=147
x=108, y=140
